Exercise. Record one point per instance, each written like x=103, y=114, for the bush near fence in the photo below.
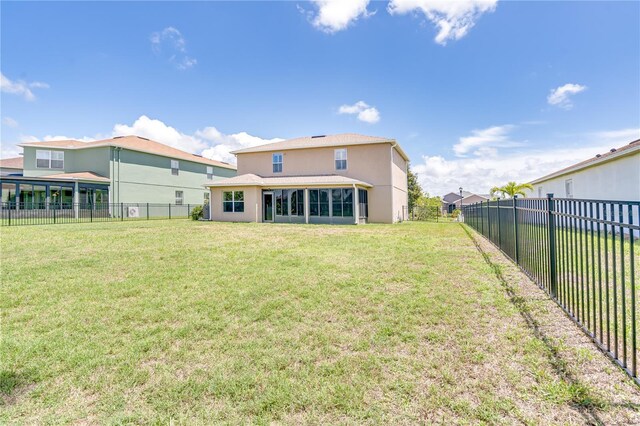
x=582, y=253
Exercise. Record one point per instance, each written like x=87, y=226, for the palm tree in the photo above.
x=511, y=189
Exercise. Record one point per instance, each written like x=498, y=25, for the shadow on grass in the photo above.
x=580, y=395
x=12, y=384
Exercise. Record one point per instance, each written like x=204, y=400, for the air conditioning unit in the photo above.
x=133, y=211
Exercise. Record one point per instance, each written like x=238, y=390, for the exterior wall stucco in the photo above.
x=252, y=205
x=617, y=180
x=400, y=207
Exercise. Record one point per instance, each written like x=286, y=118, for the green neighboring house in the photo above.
x=124, y=169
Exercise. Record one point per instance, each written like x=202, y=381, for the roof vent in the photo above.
x=612, y=150
x=197, y=155
x=140, y=137
x=318, y=136
x=598, y=155
x=118, y=137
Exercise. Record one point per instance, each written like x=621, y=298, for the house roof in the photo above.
x=84, y=176
x=454, y=196
x=342, y=139
x=628, y=149
x=250, y=179
x=134, y=143
x=64, y=177
x=11, y=163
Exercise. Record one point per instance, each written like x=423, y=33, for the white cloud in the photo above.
x=478, y=174
x=453, y=18
x=336, y=15
x=485, y=141
x=208, y=142
x=561, y=96
x=170, y=43
x=21, y=87
x=365, y=112
x=9, y=122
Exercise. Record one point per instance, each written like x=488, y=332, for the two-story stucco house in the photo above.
x=126, y=169
x=333, y=179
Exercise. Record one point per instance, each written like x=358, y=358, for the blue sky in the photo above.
x=478, y=92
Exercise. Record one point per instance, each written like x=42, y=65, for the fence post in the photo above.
x=489, y=219
x=169, y=210
x=188, y=209
x=499, y=220
x=9, y=209
x=147, y=211
x=54, y=216
x=121, y=212
x=515, y=229
x=553, y=278
x=90, y=213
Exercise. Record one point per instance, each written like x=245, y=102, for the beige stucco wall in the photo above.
x=618, y=180
x=400, y=193
x=252, y=205
x=374, y=164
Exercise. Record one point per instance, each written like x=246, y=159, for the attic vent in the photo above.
x=140, y=137
x=118, y=137
x=318, y=136
x=612, y=150
x=598, y=155
x=197, y=155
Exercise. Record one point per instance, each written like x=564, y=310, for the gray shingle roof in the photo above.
x=250, y=179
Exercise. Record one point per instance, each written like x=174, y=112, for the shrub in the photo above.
x=197, y=213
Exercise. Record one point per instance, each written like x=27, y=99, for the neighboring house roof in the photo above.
x=11, y=163
x=342, y=139
x=628, y=149
x=475, y=195
x=79, y=176
x=134, y=143
x=250, y=179
x=453, y=196
x=64, y=177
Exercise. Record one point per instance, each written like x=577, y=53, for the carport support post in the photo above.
x=307, y=203
x=76, y=199
x=356, y=205
x=553, y=278
x=515, y=229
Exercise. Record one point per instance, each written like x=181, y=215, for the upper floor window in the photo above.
x=49, y=159
x=209, y=173
x=175, y=167
x=568, y=187
x=277, y=163
x=340, y=156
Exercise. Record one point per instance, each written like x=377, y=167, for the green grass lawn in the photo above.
x=159, y=321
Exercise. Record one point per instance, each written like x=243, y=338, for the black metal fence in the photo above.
x=14, y=214
x=582, y=253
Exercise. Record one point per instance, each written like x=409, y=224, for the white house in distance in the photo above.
x=614, y=176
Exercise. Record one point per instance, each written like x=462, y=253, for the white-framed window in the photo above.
x=233, y=201
x=46, y=159
x=206, y=197
x=175, y=167
x=209, y=172
x=277, y=163
x=340, y=156
x=568, y=188
x=179, y=198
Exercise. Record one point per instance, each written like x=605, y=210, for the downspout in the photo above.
x=356, y=207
